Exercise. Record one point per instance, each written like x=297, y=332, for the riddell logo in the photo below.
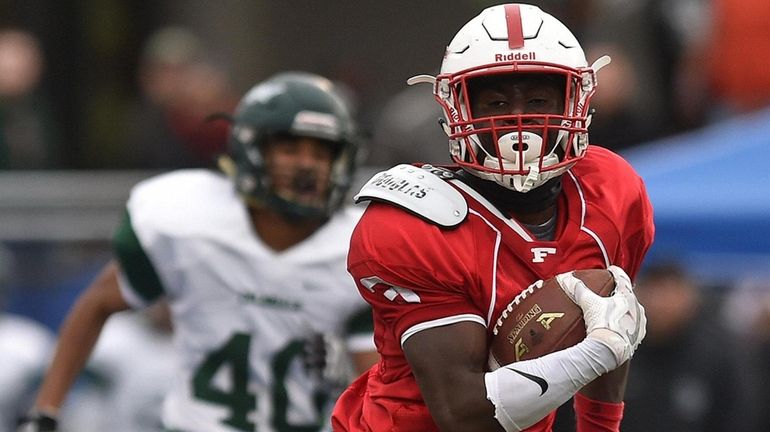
x=518, y=56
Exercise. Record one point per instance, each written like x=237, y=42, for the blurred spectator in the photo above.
x=690, y=374
x=675, y=29
x=130, y=371
x=617, y=124
x=28, y=133
x=738, y=54
x=181, y=85
x=25, y=346
x=747, y=311
x=408, y=131
x=723, y=68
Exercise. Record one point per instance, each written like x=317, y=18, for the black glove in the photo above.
x=314, y=352
x=326, y=362
x=37, y=421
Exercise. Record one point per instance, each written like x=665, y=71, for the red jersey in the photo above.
x=417, y=275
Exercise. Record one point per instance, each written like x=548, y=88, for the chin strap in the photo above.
x=597, y=416
x=529, y=180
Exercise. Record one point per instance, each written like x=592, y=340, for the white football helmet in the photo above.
x=530, y=148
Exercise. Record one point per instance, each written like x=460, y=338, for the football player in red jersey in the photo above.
x=440, y=251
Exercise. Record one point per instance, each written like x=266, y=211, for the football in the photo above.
x=543, y=320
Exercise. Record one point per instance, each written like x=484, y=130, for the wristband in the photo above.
x=597, y=416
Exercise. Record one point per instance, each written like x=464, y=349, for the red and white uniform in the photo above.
x=417, y=275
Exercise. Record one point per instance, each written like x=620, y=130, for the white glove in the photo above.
x=617, y=321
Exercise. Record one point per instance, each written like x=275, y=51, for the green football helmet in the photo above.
x=296, y=104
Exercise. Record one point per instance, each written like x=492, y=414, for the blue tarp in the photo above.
x=711, y=192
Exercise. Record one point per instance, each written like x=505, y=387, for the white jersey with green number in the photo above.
x=240, y=310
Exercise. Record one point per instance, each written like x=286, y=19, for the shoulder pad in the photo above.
x=422, y=191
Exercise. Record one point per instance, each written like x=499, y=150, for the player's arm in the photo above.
x=610, y=387
x=462, y=397
x=451, y=375
x=599, y=405
x=77, y=337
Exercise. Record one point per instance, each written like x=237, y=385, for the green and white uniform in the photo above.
x=240, y=310
x=25, y=347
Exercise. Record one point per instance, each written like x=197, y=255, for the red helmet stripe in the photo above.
x=515, y=32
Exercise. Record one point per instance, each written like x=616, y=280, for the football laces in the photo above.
x=516, y=300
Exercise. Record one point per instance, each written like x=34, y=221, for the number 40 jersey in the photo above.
x=241, y=312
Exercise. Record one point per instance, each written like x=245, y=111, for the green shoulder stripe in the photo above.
x=135, y=263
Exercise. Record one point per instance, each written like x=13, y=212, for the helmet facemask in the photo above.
x=294, y=190
x=519, y=151
x=305, y=185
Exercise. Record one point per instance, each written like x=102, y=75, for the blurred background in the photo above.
x=97, y=95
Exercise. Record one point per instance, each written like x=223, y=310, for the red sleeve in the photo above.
x=597, y=416
x=624, y=197
x=617, y=193
x=640, y=231
x=422, y=276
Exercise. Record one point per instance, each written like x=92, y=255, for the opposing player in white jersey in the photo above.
x=24, y=347
x=250, y=271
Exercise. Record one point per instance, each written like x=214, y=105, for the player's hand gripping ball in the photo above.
x=542, y=319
